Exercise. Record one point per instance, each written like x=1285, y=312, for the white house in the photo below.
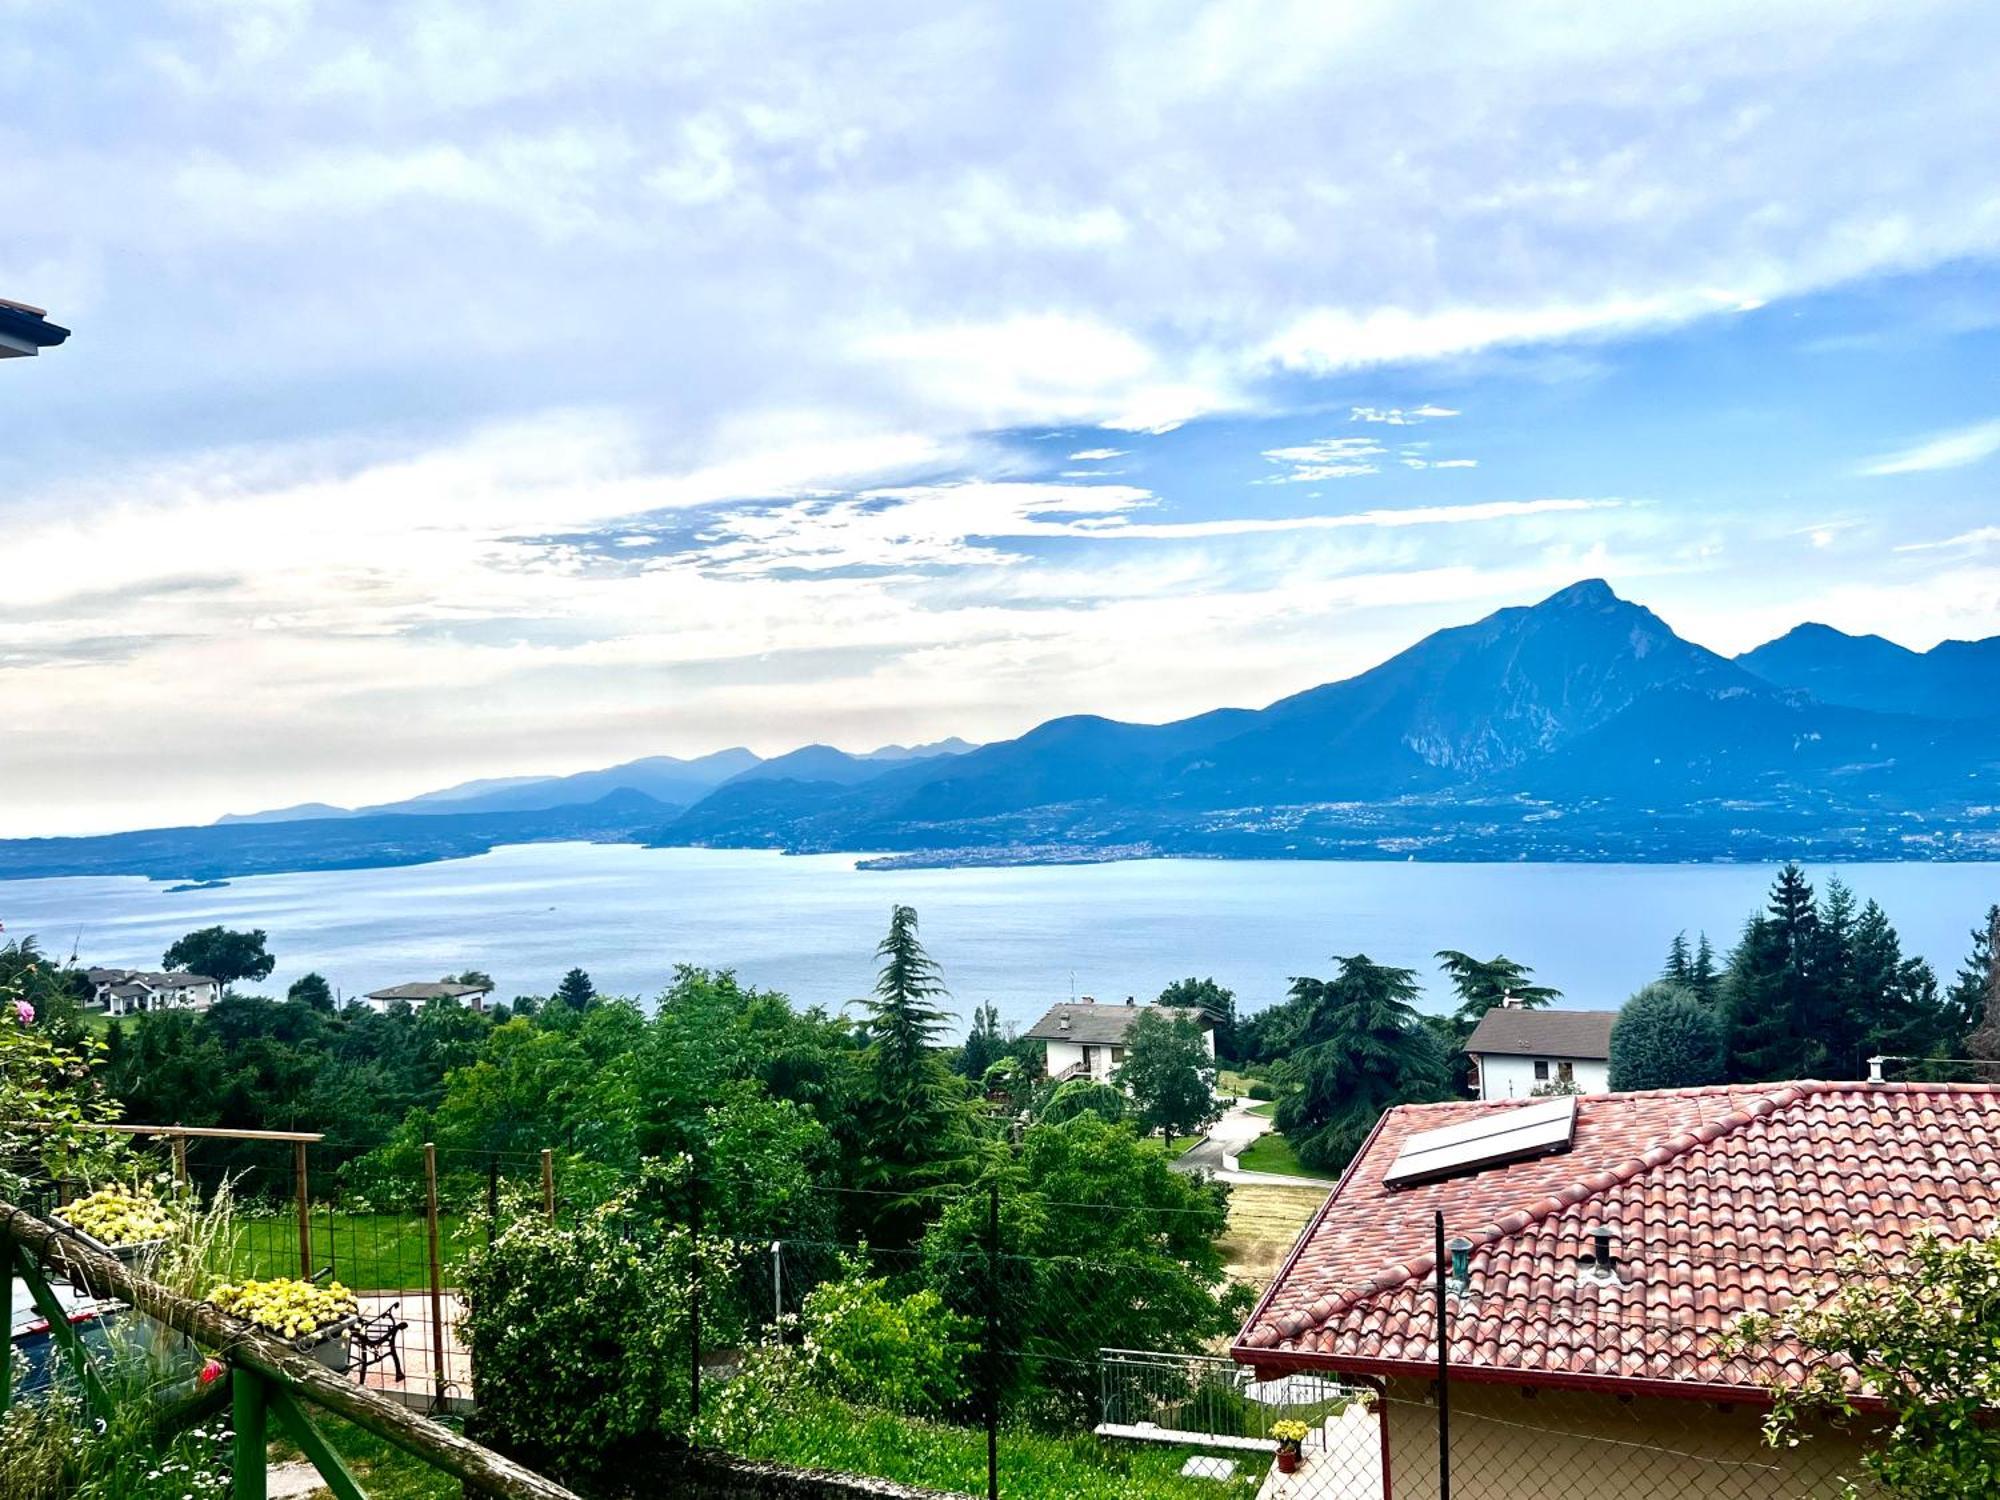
x=1515, y=1051
x=418, y=995
x=123, y=991
x=1087, y=1040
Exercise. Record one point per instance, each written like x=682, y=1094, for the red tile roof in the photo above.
x=1724, y=1201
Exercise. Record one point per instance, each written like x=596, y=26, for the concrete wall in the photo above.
x=1504, y=1076
x=1506, y=1444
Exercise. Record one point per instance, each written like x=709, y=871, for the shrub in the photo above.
x=1262, y=1092
x=1083, y=1096
x=1665, y=1038
x=907, y=1354
x=579, y=1336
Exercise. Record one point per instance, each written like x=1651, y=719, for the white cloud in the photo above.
x=1093, y=455
x=1979, y=536
x=1397, y=416
x=1950, y=450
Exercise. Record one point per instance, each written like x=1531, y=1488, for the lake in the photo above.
x=1019, y=937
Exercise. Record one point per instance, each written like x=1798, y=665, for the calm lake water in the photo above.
x=1017, y=937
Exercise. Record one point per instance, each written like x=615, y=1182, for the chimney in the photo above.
x=1089, y=1000
x=1461, y=1262
x=1875, y=1069
x=1130, y=1001
x=1508, y=1002
x=1062, y=1023
x=1602, y=1267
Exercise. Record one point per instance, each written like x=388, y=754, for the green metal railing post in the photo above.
x=248, y=1449
x=94, y=1393
x=7, y=1254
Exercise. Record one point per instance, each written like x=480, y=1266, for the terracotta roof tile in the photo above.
x=1723, y=1201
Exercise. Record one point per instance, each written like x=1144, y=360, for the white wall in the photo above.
x=1067, y=1054
x=1505, y=1076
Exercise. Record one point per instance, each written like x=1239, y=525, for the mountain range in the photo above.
x=1581, y=727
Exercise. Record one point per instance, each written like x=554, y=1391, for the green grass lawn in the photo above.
x=369, y=1252
x=1032, y=1466
x=1183, y=1144
x=1262, y=1107
x=1271, y=1152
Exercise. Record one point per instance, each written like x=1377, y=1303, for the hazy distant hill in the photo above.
x=1581, y=727
x=1952, y=680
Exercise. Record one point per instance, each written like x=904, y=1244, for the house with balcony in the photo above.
x=417, y=996
x=1087, y=1040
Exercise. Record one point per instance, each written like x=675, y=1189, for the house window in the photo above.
x=1117, y=1056
x=1541, y=1070
x=1566, y=1072
x=1090, y=1059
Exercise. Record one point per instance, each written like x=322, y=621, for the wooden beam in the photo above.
x=208, y=1132
x=486, y=1471
x=95, y=1396
x=312, y=1442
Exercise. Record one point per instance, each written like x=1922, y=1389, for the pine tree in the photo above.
x=576, y=991
x=1703, y=978
x=984, y=1045
x=914, y=1119
x=1965, y=1001
x=1773, y=1011
x=1840, y=1004
x=1678, y=969
x=1984, y=1040
x=1481, y=984
x=1357, y=1047
x=903, y=1024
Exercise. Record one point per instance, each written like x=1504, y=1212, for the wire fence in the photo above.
x=1094, y=1367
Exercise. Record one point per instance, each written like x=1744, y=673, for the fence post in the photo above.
x=1444, y=1372
x=778, y=1289
x=694, y=1306
x=437, y=1273
x=305, y=1211
x=492, y=1194
x=248, y=1451
x=993, y=1341
x=549, y=1184
x=7, y=1253
x=180, y=1161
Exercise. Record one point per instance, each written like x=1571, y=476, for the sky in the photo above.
x=466, y=390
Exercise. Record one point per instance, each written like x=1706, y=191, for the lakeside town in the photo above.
x=1228, y=1239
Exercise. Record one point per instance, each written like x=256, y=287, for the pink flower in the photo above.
x=24, y=1013
x=211, y=1372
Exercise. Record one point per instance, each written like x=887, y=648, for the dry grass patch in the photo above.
x=1264, y=1221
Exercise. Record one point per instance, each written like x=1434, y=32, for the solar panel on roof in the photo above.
x=1488, y=1141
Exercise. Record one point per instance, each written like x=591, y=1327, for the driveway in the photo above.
x=1231, y=1136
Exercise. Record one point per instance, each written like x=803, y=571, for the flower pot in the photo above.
x=329, y=1345
x=129, y=1256
x=1288, y=1458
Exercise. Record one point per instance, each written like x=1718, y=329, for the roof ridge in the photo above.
x=1582, y=1190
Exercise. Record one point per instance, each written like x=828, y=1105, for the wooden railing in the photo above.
x=267, y=1378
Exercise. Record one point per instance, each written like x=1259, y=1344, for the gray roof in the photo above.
x=1581, y=1034
x=172, y=979
x=428, y=992
x=1098, y=1025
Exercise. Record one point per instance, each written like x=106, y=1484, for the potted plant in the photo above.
x=128, y=1224
x=313, y=1319
x=1291, y=1436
